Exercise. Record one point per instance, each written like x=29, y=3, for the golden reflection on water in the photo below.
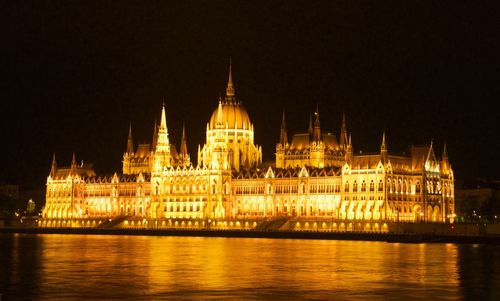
x=193, y=268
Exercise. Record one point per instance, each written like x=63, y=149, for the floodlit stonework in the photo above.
x=315, y=178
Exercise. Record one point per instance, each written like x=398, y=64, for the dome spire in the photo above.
x=230, y=88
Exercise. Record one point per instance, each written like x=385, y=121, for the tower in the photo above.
x=282, y=145
x=162, y=157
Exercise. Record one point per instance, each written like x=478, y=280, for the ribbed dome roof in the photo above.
x=233, y=113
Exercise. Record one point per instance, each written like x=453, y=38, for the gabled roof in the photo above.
x=261, y=173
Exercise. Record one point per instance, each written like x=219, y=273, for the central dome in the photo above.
x=233, y=114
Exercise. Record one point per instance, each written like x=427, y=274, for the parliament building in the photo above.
x=316, y=176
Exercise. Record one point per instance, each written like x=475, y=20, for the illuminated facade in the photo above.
x=315, y=176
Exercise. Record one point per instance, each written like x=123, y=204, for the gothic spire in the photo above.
x=383, y=145
x=130, y=141
x=183, y=142
x=53, y=168
x=73, y=162
x=283, y=134
x=445, y=163
x=163, y=121
x=162, y=141
x=317, y=128
x=230, y=88
x=383, y=149
x=349, y=151
x=343, y=132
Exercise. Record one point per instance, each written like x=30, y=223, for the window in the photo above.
x=380, y=186
x=363, y=186
x=355, y=186
x=346, y=188
x=372, y=186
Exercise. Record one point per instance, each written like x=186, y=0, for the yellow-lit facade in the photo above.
x=315, y=177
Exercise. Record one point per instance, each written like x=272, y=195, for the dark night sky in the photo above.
x=73, y=74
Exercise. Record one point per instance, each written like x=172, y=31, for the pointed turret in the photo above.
x=163, y=120
x=230, y=87
x=444, y=160
x=317, y=128
x=163, y=143
x=349, y=151
x=130, y=141
x=162, y=156
x=73, y=163
x=183, y=155
x=383, y=149
x=343, y=132
x=53, y=167
x=183, y=142
x=283, y=134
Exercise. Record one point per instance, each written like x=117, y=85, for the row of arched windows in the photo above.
x=371, y=187
x=403, y=186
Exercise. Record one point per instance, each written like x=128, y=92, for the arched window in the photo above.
x=380, y=186
x=372, y=186
x=355, y=186
x=417, y=187
x=346, y=187
x=363, y=186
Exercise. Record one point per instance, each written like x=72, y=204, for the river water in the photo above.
x=69, y=267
